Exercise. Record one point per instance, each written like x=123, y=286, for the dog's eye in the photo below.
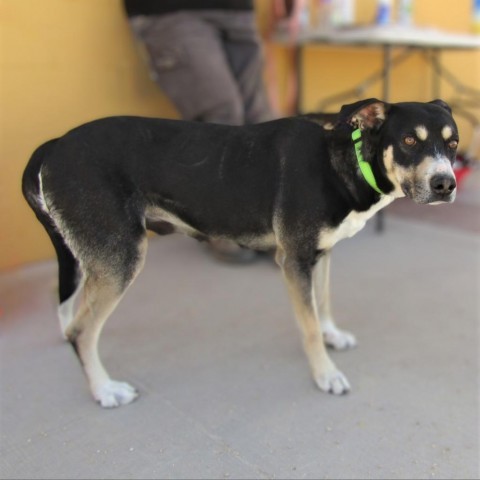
x=453, y=144
x=410, y=141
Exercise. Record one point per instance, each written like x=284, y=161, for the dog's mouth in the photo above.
x=407, y=189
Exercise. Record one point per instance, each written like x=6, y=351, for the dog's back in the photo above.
x=183, y=168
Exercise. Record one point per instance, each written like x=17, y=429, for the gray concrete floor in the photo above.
x=225, y=387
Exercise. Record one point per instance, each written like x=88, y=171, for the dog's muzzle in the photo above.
x=433, y=182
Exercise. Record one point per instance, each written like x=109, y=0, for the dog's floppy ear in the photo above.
x=364, y=114
x=442, y=104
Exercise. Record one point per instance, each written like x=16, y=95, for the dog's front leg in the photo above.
x=333, y=336
x=298, y=273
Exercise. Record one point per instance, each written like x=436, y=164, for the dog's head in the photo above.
x=417, y=144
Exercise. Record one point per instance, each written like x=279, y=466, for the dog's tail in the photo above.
x=31, y=187
x=68, y=266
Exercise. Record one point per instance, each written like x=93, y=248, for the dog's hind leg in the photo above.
x=104, y=286
x=69, y=281
x=333, y=336
x=68, y=267
x=69, y=275
x=298, y=273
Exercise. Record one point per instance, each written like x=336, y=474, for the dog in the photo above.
x=297, y=185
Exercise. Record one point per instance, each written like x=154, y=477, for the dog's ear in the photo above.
x=442, y=104
x=364, y=114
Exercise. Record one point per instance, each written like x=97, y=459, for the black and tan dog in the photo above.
x=298, y=185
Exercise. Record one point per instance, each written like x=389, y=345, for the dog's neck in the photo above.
x=345, y=163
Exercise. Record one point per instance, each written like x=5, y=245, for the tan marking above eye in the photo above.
x=447, y=132
x=409, y=141
x=422, y=132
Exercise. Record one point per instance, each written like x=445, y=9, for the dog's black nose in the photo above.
x=442, y=184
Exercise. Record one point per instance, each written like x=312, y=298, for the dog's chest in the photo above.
x=351, y=224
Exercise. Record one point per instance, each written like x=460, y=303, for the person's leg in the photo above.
x=190, y=65
x=243, y=50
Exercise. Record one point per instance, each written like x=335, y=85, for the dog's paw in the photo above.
x=113, y=394
x=334, y=382
x=338, y=339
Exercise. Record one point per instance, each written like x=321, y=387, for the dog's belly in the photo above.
x=158, y=216
x=351, y=225
x=258, y=242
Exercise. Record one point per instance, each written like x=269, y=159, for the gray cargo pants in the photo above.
x=209, y=63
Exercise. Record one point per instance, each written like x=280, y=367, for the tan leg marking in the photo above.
x=325, y=373
x=333, y=336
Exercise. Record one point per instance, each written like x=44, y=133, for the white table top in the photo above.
x=388, y=35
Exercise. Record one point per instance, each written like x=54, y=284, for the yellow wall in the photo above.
x=63, y=62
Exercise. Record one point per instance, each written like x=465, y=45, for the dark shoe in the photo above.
x=229, y=252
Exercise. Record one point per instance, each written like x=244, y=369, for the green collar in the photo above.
x=365, y=167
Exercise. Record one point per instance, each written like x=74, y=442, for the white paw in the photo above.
x=113, y=394
x=338, y=339
x=334, y=382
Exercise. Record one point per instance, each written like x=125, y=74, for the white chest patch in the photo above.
x=351, y=225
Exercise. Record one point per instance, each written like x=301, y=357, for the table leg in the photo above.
x=298, y=61
x=387, y=67
x=435, y=60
